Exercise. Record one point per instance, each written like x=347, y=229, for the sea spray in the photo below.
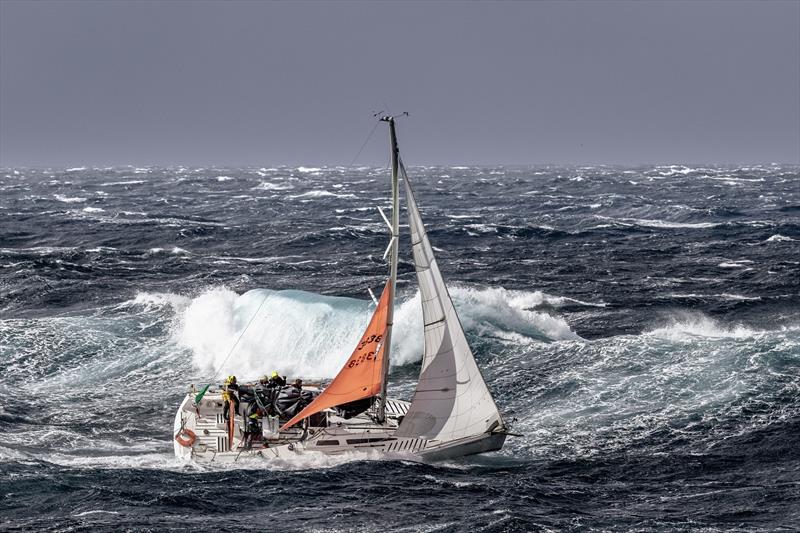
x=304, y=334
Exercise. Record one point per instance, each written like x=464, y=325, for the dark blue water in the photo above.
x=642, y=325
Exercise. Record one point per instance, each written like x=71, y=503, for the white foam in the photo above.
x=668, y=224
x=39, y=250
x=126, y=182
x=302, y=460
x=268, y=186
x=159, y=299
x=780, y=238
x=728, y=296
x=482, y=228
x=723, y=296
x=69, y=200
x=321, y=193
x=94, y=511
x=672, y=170
x=733, y=264
x=93, y=210
x=687, y=326
x=305, y=334
x=175, y=251
x=734, y=181
x=293, y=332
x=501, y=309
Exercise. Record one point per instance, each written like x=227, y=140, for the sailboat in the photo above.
x=452, y=412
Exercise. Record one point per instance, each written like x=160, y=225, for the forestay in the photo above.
x=451, y=400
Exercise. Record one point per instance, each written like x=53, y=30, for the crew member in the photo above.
x=276, y=380
x=252, y=427
x=230, y=396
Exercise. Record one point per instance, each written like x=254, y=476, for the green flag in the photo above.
x=199, y=395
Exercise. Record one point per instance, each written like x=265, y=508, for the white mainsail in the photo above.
x=451, y=400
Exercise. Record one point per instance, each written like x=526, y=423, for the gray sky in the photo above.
x=257, y=83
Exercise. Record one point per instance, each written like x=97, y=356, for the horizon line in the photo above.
x=98, y=166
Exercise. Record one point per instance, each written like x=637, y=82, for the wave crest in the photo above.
x=687, y=326
x=304, y=334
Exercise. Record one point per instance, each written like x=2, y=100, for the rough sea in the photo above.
x=639, y=327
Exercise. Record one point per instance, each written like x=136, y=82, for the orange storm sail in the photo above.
x=362, y=374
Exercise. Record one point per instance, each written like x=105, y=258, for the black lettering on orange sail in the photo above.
x=371, y=338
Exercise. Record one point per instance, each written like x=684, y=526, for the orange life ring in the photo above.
x=186, y=438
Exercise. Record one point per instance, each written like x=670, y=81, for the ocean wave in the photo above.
x=39, y=250
x=779, y=238
x=269, y=186
x=175, y=250
x=723, y=296
x=682, y=385
x=300, y=333
x=68, y=199
x=735, y=264
x=688, y=326
x=123, y=182
x=321, y=194
x=673, y=170
x=662, y=224
x=155, y=300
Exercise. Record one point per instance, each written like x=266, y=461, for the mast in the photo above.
x=387, y=341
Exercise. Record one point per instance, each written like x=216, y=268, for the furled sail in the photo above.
x=362, y=374
x=451, y=400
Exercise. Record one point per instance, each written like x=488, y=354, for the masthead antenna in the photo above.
x=389, y=118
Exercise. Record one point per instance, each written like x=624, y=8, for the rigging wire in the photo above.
x=365, y=144
x=235, y=344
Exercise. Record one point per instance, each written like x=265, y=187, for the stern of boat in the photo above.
x=184, y=419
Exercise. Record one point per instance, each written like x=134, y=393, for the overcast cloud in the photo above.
x=257, y=83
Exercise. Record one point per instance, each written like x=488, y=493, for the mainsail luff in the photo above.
x=451, y=400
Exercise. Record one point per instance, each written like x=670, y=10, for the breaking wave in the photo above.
x=307, y=334
x=687, y=384
x=688, y=326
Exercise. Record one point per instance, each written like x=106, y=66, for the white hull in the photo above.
x=360, y=434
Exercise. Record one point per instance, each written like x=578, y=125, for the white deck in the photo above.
x=358, y=434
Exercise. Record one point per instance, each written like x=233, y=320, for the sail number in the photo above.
x=369, y=356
